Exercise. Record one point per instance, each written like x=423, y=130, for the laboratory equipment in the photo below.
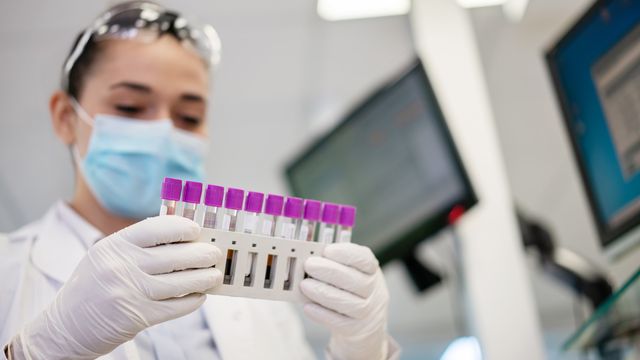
x=191, y=194
x=260, y=261
x=329, y=223
x=346, y=222
x=595, y=68
x=310, y=219
x=293, y=208
x=213, y=197
x=250, y=217
x=171, y=190
x=272, y=212
x=393, y=158
x=251, y=213
x=232, y=204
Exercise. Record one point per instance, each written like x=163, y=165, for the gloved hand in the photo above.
x=140, y=276
x=349, y=296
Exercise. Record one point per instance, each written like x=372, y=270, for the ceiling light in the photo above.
x=333, y=10
x=480, y=3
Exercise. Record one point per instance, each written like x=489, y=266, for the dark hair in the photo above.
x=82, y=66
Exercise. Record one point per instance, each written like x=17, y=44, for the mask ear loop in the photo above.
x=82, y=113
x=86, y=118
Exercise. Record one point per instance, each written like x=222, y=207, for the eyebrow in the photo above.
x=133, y=86
x=192, y=97
x=146, y=89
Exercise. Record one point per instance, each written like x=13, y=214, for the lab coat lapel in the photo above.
x=231, y=327
x=56, y=249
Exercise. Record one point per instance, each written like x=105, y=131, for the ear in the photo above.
x=63, y=117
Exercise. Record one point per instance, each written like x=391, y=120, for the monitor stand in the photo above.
x=421, y=275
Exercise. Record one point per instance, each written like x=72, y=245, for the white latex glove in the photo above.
x=349, y=296
x=127, y=282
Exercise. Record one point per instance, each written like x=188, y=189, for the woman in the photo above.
x=132, y=110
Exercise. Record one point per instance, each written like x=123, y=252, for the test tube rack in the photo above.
x=272, y=282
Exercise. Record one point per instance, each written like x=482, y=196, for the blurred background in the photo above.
x=287, y=76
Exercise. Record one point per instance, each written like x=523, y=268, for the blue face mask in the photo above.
x=127, y=160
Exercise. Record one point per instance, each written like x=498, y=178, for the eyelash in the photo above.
x=128, y=109
x=192, y=121
x=132, y=110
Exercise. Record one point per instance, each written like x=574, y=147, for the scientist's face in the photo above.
x=145, y=81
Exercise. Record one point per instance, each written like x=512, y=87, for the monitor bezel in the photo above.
x=407, y=241
x=607, y=235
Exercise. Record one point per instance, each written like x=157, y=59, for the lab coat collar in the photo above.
x=62, y=241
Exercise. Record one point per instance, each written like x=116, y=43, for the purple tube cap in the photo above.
x=312, y=210
x=254, y=202
x=214, y=195
x=171, y=189
x=347, y=216
x=234, y=199
x=330, y=213
x=293, y=208
x=274, y=205
x=192, y=192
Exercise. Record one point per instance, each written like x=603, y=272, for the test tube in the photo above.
x=310, y=218
x=233, y=204
x=270, y=227
x=272, y=212
x=213, y=201
x=347, y=221
x=252, y=211
x=171, y=189
x=292, y=214
x=191, y=194
x=250, y=217
x=330, y=218
x=293, y=208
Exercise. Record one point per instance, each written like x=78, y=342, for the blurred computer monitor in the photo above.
x=596, y=71
x=392, y=157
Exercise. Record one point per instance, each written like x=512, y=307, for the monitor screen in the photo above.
x=596, y=71
x=394, y=159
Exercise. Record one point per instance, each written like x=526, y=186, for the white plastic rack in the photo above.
x=277, y=270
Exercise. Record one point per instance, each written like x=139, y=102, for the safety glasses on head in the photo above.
x=146, y=21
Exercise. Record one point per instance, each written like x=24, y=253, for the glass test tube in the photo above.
x=268, y=227
x=250, y=217
x=293, y=208
x=347, y=221
x=191, y=194
x=330, y=217
x=251, y=213
x=213, y=201
x=309, y=223
x=233, y=204
x=292, y=214
x=170, y=194
x=272, y=212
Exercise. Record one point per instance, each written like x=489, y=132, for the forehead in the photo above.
x=164, y=65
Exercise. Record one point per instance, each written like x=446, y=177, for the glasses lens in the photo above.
x=148, y=24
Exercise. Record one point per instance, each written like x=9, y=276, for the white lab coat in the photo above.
x=36, y=260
